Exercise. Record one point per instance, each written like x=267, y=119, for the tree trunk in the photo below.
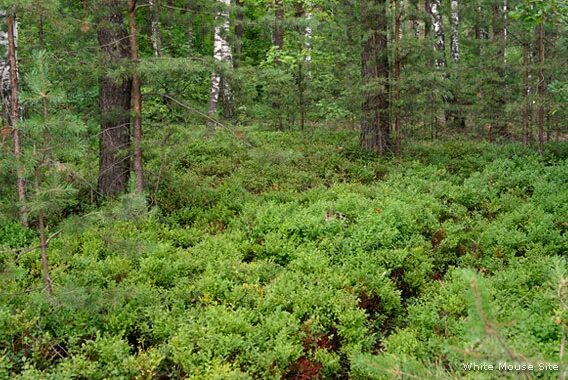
x=414, y=23
x=541, y=88
x=455, y=18
x=526, y=93
x=136, y=98
x=220, y=87
x=375, y=124
x=397, y=71
x=155, y=27
x=427, y=19
x=13, y=105
x=308, y=33
x=440, y=42
x=499, y=100
x=114, y=102
x=239, y=31
x=279, y=24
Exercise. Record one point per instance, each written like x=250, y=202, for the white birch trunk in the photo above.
x=221, y=53
x=455, y=21
x=438, y=27
x=308, y=33
x=155, y=27
x=5, y=86
x=505, y=32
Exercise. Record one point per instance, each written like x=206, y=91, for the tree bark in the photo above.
x=428, y=19
x=279, y=24
x=526, y=93
x=397, y=71
x=438, y=26
x=114, y=102
x=239, y=31
x=13, y=104
x=136, y=98
x=455, y=18
x=541, y=88
x=375, y=123
x=220, y=86
x=155, y=27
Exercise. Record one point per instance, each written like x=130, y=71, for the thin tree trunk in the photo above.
x=278, y=41
x=136, y=98
x=455, y=18
x=308, y=34
x=414, y=23
x=427, y=20
x=541, y=88
x=375, y=124
x=279, y=24
x=239, y=31
x=526, y=93
x=456, y=117
x=440, y=42
x=114, y=102
x=397, y=71
x=221, y=53
x=155, y=27
x=14, y=114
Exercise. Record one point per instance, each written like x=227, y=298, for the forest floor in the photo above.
x=283, y=255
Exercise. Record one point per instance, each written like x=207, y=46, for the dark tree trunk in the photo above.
x=499, y=100
x=114, y=102
x=239, y=31
x=136, y=96
x=397, y=71
x=279, y=23
x=526, y=93
x=427, y=19
x=541, y=88
x=375, y=123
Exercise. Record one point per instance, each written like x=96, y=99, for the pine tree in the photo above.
x=375, y=121
x=114, y=100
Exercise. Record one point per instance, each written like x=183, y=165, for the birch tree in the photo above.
x=11, y=112
x=455, y=22
x=438, y=27
x=220, y=86
x=156, y=32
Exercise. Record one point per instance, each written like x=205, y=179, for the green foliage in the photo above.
x=290, y=258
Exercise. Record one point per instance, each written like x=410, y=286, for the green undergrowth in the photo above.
x=279, y=255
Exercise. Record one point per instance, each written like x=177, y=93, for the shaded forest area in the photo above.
x=283, y=189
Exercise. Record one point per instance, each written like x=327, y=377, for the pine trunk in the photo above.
x=397, y=71
x=541, y=88
x=526, y=95
x=136, y=98
x=375, y=123
x=114, y=103
x=279, y=24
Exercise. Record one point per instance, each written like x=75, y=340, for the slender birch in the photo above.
x=455, y=22
x=10, y=103
x=221, y=53
x=438, y=26
x=155, y=27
